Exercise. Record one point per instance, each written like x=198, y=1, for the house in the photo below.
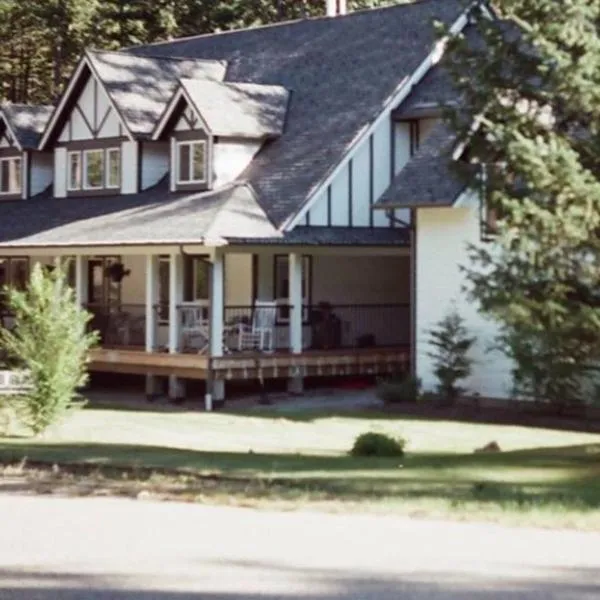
x=287, y=176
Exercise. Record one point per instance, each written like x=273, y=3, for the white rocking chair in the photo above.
x=259, y=334
x=194, y=324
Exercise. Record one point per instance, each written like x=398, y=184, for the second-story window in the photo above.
x=191, y=159
x=10, y=176
x=90, y=170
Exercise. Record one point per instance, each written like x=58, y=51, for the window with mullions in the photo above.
x=91, y=170
x=10, y=176
x=191, y=162
x=281, y=287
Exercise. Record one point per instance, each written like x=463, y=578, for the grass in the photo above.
x=541, y=477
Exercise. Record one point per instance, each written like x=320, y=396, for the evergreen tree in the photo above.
x=530, y=83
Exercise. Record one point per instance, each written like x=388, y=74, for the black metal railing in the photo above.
x=327, y=326
x=121, y=325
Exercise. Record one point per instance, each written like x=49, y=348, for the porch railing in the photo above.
x=120, y=325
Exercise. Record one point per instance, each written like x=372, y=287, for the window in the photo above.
x=281, y=286
x=14, y=272
x=113, y=169
x=74, y=175
x=191, y=162
x=93, y=169
x=10, y=175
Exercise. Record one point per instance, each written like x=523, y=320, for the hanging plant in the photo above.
x=117, y=272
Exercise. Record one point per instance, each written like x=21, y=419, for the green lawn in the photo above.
x=541, y=476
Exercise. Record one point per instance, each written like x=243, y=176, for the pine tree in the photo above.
x=530, y=83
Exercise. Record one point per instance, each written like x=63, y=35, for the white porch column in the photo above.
x=152, y=388
x=81, y=279
x=175, y=298
x=216, y=391
x=295, y=383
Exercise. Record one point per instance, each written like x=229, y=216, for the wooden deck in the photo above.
x=352, y=361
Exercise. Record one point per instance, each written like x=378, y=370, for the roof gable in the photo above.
x=231, y=109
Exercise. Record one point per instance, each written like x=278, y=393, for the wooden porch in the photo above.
x=243, y=366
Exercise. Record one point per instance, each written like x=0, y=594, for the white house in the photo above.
x=264, y=203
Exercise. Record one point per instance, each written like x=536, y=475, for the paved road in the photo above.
x=66, y=549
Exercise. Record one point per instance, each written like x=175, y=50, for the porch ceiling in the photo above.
x=153, y=217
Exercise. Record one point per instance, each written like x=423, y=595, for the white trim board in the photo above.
x=12, y=133
x=405, y=87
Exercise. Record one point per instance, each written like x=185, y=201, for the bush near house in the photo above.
x=400, y=389
x=51, y=341
x=451, y=362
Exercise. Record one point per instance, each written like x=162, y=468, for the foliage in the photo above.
x=402, y=388
x=43, y=40
x=450, y=354
x=377, y=444
x=51, y=342
x=532, y=89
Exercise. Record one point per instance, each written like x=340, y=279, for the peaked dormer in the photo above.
x=101, y=129
x=216, y=128
x=23, y=171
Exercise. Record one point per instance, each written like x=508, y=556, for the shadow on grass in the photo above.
x=569, y=477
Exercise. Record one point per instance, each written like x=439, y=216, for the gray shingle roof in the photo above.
x=141, y=87
x=27, y=122
x=337, y=236
x=239, y=109
x=154, y=216
x=341, y=72
x=427, y=179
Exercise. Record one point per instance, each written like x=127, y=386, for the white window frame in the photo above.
x=84, y=172
x=9, y=160
x=108, y=152
x=70, y=154
x=191, y=144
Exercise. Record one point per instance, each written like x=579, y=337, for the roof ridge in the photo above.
x=354, y=13
x=124, y=51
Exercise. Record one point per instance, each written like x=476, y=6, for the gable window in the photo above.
x=94, y=169
x=113, y=168
x=10, y=175
x=281, y=287
x=191, y=162
x=74, y=174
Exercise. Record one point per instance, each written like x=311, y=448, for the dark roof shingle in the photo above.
x=428, y=178
x=341, y=73
x=27, y=121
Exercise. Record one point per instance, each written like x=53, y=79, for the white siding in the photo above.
x=230, y=158
x=79, y=128
x=129, y=171
x=238, y=279
x=401, y=145
x=382, y=168
x=340, y=200
x=319, y=213
x=41, y=171
x=443, y=235
x=60, y=172
x=155, y=162
x=111, y=126
x=361, y=210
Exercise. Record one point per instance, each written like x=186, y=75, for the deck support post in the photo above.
x=81, y=280
x=296, y=382
x=152, y=384
x=176, y=386
x=216, y=392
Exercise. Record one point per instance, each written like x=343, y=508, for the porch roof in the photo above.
x=153, y=217
x=428, y=179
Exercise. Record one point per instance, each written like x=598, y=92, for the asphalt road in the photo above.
x=66, y=549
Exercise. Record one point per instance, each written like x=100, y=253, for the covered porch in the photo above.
x=235, y=312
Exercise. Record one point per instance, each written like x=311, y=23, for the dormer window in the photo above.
x=10, y=175
x=191, y=162
x=92, y=170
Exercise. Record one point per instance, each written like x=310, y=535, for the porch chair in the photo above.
x=194, y=324
x=259, y=334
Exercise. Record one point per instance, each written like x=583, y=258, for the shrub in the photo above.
x=399, y=389
x=451, y=361
x=377, y=444
x=50, y=340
